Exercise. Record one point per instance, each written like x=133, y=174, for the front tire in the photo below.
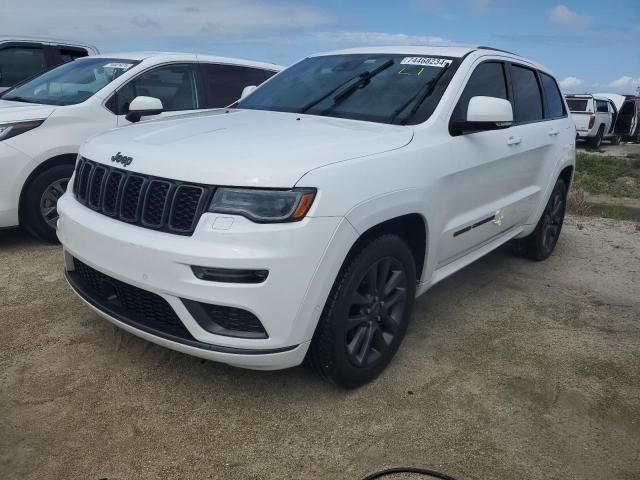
x=367, y=313
x=39, y=213
x=540, y=244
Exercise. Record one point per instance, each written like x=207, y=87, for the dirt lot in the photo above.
x=510, y=370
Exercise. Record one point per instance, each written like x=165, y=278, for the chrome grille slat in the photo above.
x=151, y=202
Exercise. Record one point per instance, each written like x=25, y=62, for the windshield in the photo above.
x=378, y=88
x=577, y=105
x=71, y=83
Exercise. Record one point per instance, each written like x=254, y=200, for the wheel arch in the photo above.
x=411, y=227
x=63, y=159
x=566, y=175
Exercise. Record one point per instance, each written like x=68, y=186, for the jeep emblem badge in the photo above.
x=124, y=160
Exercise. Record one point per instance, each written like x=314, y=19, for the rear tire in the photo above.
x=615, y=140
x=366, y=315
x=38, y=209
x=595, y=142
x=540, y=244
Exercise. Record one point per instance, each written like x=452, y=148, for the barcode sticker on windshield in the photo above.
x=121, y=66
x=426, y=61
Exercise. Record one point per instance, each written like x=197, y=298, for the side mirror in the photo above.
x=248, y=90
x=486, y=113
x=142, y=107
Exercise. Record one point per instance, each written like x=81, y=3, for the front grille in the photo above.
x=151, y=202
x=132, y=305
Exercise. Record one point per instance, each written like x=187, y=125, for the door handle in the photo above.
x=553, y=132
x=514, y=141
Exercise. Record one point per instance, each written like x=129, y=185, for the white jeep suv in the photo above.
x=305, y=220
x=43, y=121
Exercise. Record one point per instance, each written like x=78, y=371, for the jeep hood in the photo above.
x=244, y=147
x=18, y=111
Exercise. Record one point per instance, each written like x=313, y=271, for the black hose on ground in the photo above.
x=421, y=471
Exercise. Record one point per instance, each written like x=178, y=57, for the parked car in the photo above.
x=44, y=120
x=595, y=118
x=22, y=58
x=305, y=220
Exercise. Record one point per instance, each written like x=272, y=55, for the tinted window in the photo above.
x=405, y=89
x=555, y=106
x=526, y=94
x=487, y=80
x=20, y=63
x=69, y=54
x=602, y=106
x=577, y=105
x=224, y=83
x=70, y=83
x=174, y=85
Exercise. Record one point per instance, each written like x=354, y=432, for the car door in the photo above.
x=489, y=187
x=560, y=140
x=223, y=84
x=175, y=84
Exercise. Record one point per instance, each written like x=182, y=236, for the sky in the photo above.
x=591, y=46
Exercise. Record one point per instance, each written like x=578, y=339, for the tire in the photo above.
x=616, y=139
x=595, y=142
x=540, y=244
x=38, y=209
x=362, y=310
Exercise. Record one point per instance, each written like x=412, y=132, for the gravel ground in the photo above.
x=510, y=370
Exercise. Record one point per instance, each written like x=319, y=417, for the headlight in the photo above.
x=8, y=130
x=264, y=206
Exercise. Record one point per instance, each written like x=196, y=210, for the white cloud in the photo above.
x=626, y=84
x=562, y=15
x=348, y=39
x=570, y=82
x=103, y=20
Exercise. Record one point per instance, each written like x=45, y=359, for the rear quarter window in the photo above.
x=553, y=98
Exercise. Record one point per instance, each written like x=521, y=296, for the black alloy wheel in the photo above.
x=376, y=312
x=367, y=313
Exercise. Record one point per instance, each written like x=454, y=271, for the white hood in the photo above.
x=244, y=147
x=17, y=111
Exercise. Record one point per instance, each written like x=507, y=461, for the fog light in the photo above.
x=226, y=275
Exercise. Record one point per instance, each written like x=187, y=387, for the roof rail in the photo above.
x=496, y=49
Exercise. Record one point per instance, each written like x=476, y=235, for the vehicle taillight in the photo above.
x=592, y=121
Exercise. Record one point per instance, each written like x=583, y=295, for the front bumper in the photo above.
x=15, y=168
x=288, y=303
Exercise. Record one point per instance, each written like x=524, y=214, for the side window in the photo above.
x=602, y=106
x=19, y=63
x=224, y=83
x=69, y=54
x=555, y=105
x=526, y=95
x=174, y=85
x=487, y=80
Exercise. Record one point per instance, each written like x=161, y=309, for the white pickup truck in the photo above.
x=595, y=118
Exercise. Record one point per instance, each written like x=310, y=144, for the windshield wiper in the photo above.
x=17, y=99
x=345, y=89
x=419, y=98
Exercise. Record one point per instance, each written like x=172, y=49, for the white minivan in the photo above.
x=305, y=220
x=44, y=120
